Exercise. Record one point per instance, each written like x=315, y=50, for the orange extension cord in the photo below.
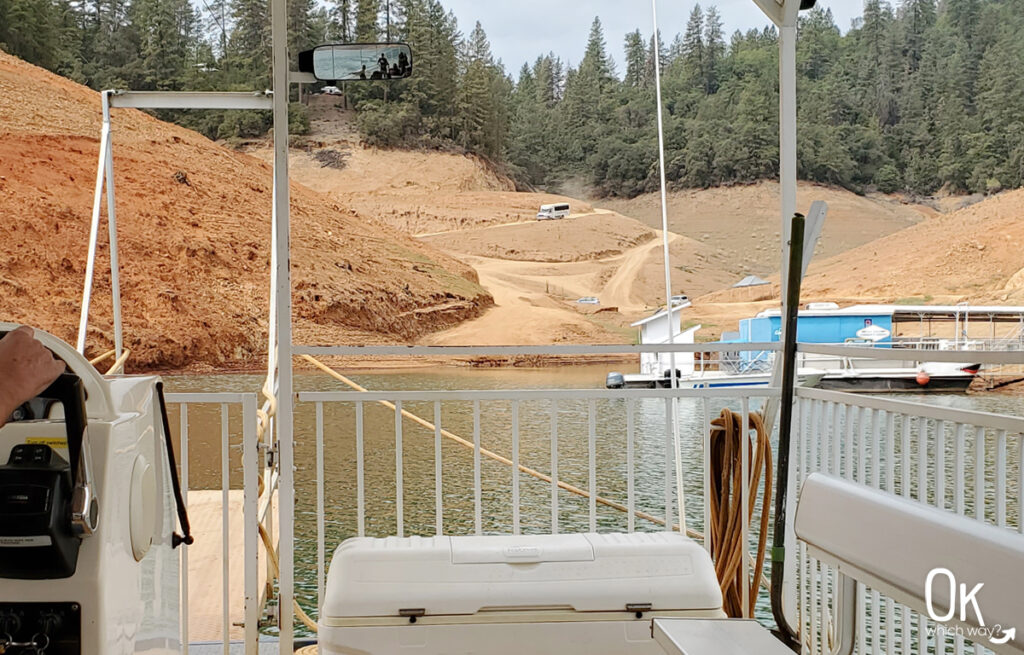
x=726, y=527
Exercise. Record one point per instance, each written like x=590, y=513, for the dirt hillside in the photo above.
x=194, y=229
x=741, y=223
x=974, y=254
x=587, y=237
x=417, y=192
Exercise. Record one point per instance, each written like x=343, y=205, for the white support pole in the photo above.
x=784, y=16
x=787, y=136
x=787, y=191
x=250, y=516
x=286, y=581
x=94, y=226
x=677, y=448
x=115, y=268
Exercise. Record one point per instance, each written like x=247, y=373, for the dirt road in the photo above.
x=618, y=291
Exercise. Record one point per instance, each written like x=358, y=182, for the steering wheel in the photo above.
x=98, y=403
x=70, y=391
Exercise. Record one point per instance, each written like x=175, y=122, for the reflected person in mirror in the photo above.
x=27, y=368
x=383, y=64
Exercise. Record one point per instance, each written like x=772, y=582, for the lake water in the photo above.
x=495, y=427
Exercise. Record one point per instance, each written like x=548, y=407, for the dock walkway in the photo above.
x=205, y=568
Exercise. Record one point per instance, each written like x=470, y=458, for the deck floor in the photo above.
x=205, y=569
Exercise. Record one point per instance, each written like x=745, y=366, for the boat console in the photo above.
x=87, y=518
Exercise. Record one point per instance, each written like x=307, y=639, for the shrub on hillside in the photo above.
x=298, y=118
x=387, y=125
x=244, y=124
x=887, y=179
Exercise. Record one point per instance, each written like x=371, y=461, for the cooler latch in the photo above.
x=638, y=608
x=412, y=614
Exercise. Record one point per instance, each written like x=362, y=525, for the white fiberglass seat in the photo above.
x=918, y=555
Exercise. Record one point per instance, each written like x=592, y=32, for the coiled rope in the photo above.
x=728, y=439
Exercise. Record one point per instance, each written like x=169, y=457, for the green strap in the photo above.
x=779, y=554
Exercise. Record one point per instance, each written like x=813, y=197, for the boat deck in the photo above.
x=205, y=570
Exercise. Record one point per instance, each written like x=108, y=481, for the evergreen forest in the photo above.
x=916, y=96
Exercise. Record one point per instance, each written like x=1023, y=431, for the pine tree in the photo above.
x=367, y=21
x=636, y=60
x=663, y=57
x=166, y=30
x=692, y=54
x=342, y=21
x=714, y=50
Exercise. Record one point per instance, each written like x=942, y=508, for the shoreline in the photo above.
x=405, y=363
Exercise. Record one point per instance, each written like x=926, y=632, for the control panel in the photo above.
x=36, y=539
x=40, y=629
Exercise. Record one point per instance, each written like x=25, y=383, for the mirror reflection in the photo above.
x=359, y=61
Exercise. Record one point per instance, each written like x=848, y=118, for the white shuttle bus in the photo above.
x=561, y=210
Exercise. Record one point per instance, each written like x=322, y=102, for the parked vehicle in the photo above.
x=589, y=300
x=548, y=212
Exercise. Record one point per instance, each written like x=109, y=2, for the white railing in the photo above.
x=587, y=460
x=968, y=462
x=426, y=462
x=223, y=463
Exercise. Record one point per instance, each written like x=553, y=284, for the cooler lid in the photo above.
x=522, y=549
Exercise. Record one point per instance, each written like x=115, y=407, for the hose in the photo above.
x=727, y=520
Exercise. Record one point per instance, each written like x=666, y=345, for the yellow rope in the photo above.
x=107, y=355
x=118, y=364
x=500, y=458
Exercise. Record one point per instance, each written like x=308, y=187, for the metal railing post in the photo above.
x=250, y=512
x=94, y=224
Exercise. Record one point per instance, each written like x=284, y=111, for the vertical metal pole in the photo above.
x=592, y=462
x=250, y=513
x=782, y=530
x=94, y=225
x=477, y=499
x=115, y=267
x=183, y=453
x=281, y=223
x=515, y=468
x=438, y=471
x=225, y=529
x=673, y=406
x=321, y=536
x=554, y=466
x=787, y=137
x=399, y=472
x=360, y=474
x=787, y=170
x=630, y=465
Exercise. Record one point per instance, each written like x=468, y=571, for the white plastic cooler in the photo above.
x=582, y=593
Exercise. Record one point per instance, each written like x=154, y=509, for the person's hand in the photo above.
x=26, y=369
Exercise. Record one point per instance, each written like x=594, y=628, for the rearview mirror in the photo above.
x=353, y=62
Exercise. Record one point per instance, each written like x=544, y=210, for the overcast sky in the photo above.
x=520, y=30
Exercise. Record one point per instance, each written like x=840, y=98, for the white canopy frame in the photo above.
x=280, y=323
x=782, y=12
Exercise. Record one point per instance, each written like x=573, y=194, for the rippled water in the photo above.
x=418, y=465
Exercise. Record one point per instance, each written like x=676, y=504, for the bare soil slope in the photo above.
x=418, y=192
x=194, y=226
x=741, y=223
x=974, y=254
x=587, y=237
